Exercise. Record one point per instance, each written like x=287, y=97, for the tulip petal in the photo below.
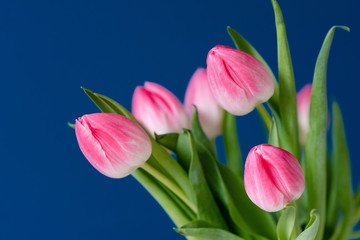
x=238, y=80
x=198, y=93
x=245, y=46
x=158, y=109
x=115, y=145
x=273, y=177
x=303, y=110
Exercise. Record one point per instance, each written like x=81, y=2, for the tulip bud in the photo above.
x=303, y=98
x=198, y=93
x=238, y=81
x=158, y=109
x=272, y=177
x=113, y=144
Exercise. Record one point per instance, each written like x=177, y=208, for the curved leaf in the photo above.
x=243, y=215
x=209, y=233
x=316, y=148
x=172, y=169
x=312, y=228
x=288, y=129
x=342, y=173
x=273, y=134
x=206, y=205
x=243, y=209
x=286, y=223
x=108, y=105
x=198, y=132
x=204, y=230
x=168, y=140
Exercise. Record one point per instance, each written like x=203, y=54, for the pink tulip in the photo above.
x=158, y=110
x=198, y=93
x=303, y=98
x=272, y=177
x=238, y=81
x=113, y=144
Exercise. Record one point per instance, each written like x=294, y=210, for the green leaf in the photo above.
x=288, y=130
x=108, y=105
x=245, y=46
x=168, y=140
x=237, y=213
x=172, y=169
x=241, y=213
x=286, y=223
x=197, y=224
x=188, y=212
x=231, y=143
x=199, y=134
x=218, y=187
x=242, y=210
x=332, y=206
x=204, y=230
x=336, y=231
x=302, y=214
x=208, y=233
x=342, y=173
x=71, y=125
x=206, y=205
x=175, y=211
x=311, y=230
x=316, y=149
x=184, y=151
x=220, y=191
x=167, y=182
x=273, y=134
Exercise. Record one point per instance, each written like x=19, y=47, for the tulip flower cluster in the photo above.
x=173, y=142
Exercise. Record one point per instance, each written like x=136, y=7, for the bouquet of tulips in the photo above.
x=292, y=187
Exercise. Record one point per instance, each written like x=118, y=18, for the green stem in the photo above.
x=264, y=115
x=231, y=144
x=169, y=184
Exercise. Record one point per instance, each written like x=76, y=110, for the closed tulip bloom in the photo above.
x=272, y=177
x=238, y=81
x=115, y=145
x=198, y=93
x=303, y=98
x=158, y=110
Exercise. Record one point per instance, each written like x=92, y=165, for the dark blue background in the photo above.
x=48, y=49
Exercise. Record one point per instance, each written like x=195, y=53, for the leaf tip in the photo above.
x=341, y=27
x=86, y=90
x=71, y=125
x=178, y=230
